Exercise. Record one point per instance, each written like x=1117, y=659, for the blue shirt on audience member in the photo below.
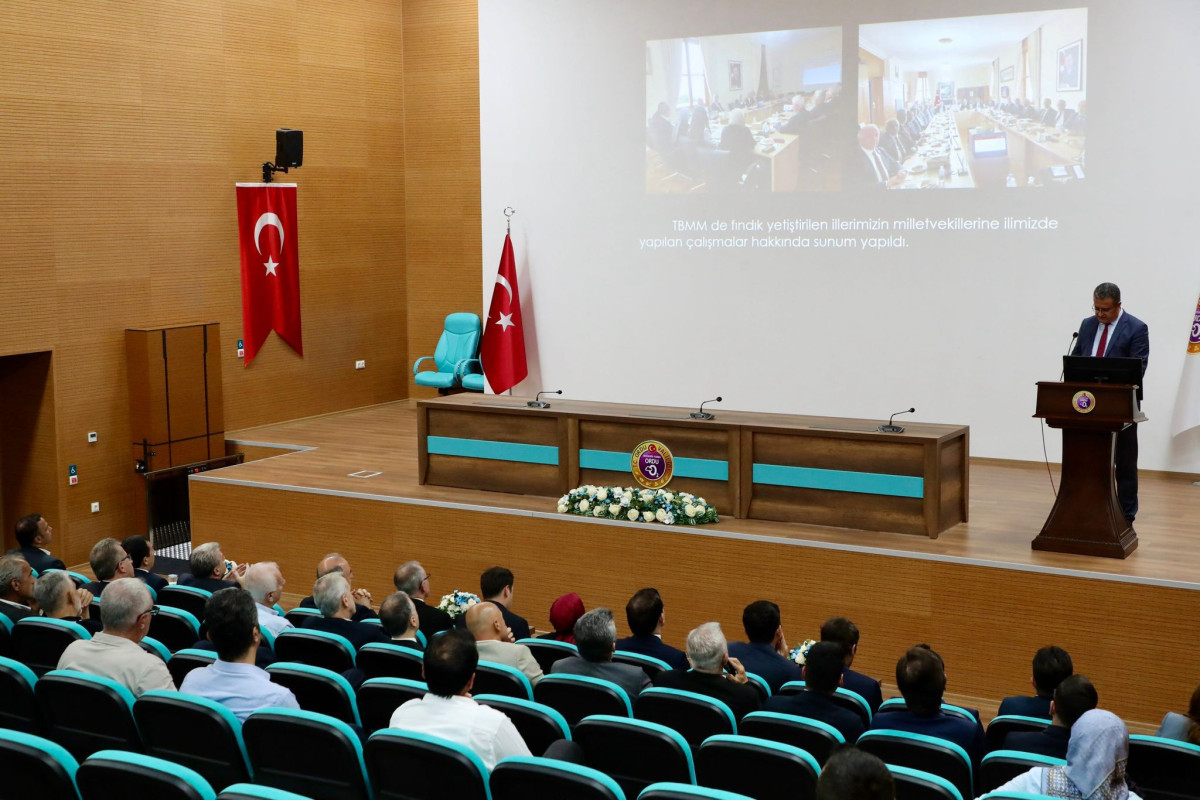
x=242, y=688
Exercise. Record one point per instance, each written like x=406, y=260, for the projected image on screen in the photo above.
x=988, y=101
x=747, y=112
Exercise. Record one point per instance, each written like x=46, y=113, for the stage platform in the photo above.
x=978, y=593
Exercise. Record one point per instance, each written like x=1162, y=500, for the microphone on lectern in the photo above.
x=1070, y=347
x=890, y=428
x=538, y=402
x=702, y=414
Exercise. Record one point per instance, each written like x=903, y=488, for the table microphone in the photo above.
x=702, y=414
x=538, y=402
x=1070, y=347
x=890, y=428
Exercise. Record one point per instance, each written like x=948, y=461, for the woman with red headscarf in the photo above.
x=564, y=613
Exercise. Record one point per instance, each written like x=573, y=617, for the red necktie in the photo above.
x=1103, y=342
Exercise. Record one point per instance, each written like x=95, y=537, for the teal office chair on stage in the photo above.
x=456, y=357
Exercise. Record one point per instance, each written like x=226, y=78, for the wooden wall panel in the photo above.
x=123, y=127
x=1130, y=639
x=28, y=446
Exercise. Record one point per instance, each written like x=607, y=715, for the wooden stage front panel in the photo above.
x=978, y=593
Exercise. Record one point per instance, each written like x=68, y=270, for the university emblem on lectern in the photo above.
x=652, y=464
x=1083, y=402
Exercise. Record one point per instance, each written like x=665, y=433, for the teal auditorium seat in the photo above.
x=547, y=651
x=1005, y=724
x=539, y=725
x=107, y=723
x=406, y=764
x=1001, y=766
x=175, y=627
x=816, y=738
x=649, y=664
x=36, y=767
x=39, y=642
x=695, y=716
x=320, y=690
x=189, y=598
x=851, y=701
x=493, y=678
x=682, y=791
x=635, y=753
x=521, y=777
x=378, y=698
x=316, y=648
x=456, y=356
x=756, y=767
x=579, y=696
x=1165, y=769
x=18, y=703
x=184, y=661
x=194, y=732
x=248, y=791
x=281, y=741
x=116, y=775
x=925, y=753
x=915, y=784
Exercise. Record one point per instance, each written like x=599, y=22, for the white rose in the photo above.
x=584, y=505
x=626, y=499
x=598, y=510
x=660, y=515
x=602, y=494
x=564, y=499
x=562, y=508
x=669, y=519
x=690, y=511
x=701, y=502
x=669, y=496
x=647, y=515
x=646, y=495
x=633, y=515
x=614, y=509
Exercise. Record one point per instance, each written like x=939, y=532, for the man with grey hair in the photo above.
x=336, y=604
x=264, y=581
x=596, y=638
x=412, y=579
x=210, y=570
x=126, y=610
x=109, y=563
x=16, y=588
x=713, y=672
x=399, y=618
x=57, y=598
x=336, y=562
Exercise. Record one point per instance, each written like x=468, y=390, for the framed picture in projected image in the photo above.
x=1070, y=67
x=735, y=76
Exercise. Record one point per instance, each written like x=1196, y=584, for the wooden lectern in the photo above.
x=1087, y=517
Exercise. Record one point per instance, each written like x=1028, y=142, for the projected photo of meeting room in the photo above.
x=745, y=112
x=972, y=102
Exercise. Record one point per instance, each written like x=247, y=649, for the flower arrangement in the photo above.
x=637, y=505
x=457, y=602
x=799, y=653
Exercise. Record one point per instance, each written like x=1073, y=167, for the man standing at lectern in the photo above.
x=1114, y=334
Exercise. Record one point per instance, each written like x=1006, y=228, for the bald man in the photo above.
x=493, y=639
x=336, y=562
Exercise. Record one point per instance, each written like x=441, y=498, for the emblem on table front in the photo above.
x=652, y=464
x=1083, y=402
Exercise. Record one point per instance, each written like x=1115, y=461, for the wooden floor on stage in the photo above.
x=1008, y=500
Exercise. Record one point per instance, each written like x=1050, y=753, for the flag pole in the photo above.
x=508, y=215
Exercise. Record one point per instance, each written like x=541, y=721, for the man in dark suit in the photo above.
x=891, y=143
x=496, y=586
x=412, y=579
x=871, y=166
x=1078, y=122
x=141, y=552
x=822, y=676
x=766, y=654
x=336, y=562
x=58, y=598
x=109, y=562
x=1074, y=696
x=713, y=673
x=399, y=618
x=34, y=536
x=596, y=638
x=1113, y=333
x=16, y=588
x=843, y=632
x=210, y=570
x=644, y=613
x=336, y=604
x=921, y=676
x=1047, y=116
x=1051, y=666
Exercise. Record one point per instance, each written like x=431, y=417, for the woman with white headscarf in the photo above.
x=1095, y=770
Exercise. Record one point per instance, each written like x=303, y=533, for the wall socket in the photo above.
x=360, y=364
x=96, y=508
x=93, y=437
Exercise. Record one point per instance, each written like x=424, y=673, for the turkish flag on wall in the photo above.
x=503, y=348
x=267, y=237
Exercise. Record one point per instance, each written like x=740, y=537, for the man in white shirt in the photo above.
x=448, y=711
x=494, y=641
x=264, y=581
x=125, y=611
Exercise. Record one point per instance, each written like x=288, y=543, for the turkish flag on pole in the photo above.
x=503, y=348
x=270, y=264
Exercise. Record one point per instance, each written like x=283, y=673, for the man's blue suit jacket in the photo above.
x=1131, y=339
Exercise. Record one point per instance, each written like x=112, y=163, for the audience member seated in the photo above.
x=1051, y=666
x=708, y=653
x=1064, y=116
x=644, y=613
x=822, y=675
x=596, y=638
x=1078, y=122
x=16, y=588
x=126, y=610
x=210, y=570
x=141, y=553
x=400, y=620
x=852, y=774
x=335, y=562
x=1073, y=697
x=494, y=640
x=34, y=536
x=871, y=166
x=891, y=143
x=766, y=653
x=659, y=130
x=1047, y=116
x=496, y=586
x=336, y=603
x=264, y=582
x=844, y=632
x=698, y=126
x=1096, y=757
x=564, y=613
x=1183, y=727
x=447, y=710
x=737, y=138
x=233, y=680
x=58, y=598
x=906, y=134
x=109, y=563
x=921, y=676
x=412, y=579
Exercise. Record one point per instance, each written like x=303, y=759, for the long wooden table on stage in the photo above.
x=816, y=470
